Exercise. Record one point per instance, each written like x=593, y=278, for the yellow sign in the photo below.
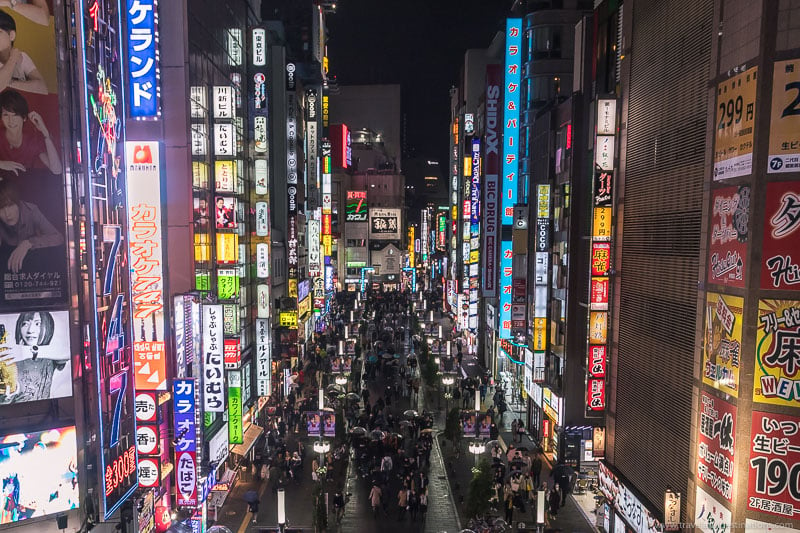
x=288, y=319
x=722, y=342
x=543, y=201
x=411, y=259
x=292, y=288
x=598, y=327
x=473, y=257
x=735, y=120
x=327, y=244
x=225, y=176
x=202, y=248
x=784, y=125
x=304, y=307
x=776, y=379
x=227, y=248
x=539, y=334
x=601, y=229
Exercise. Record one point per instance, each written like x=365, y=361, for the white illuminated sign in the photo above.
x=259, y=47
x=224, y=142
x=262, y=177
x=223, y=102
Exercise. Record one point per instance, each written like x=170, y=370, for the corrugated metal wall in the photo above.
x=670, y=55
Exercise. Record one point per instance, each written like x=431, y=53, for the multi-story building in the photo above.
x=142, y=381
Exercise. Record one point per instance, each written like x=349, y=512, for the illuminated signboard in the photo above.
x=144, y=91
x=259, y=47
x=235, y=433
x=40, y=475
x=287, y=319
x=491, y=197
x=146, y=259
x=510, y=166
x=213, y=359
x=340, y=144
x=185, y=428
x=106, y=227
x=313, y=237
x=232, y=353
x=356, y=207
x=600, y=257
x=263, y=357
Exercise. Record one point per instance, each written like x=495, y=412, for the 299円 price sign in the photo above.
x=774, y=480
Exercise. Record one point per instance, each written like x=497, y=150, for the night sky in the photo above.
x=419, y=44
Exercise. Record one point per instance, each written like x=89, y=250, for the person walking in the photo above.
x=423, y=503
x=508, y=505
x=375, y=499
x=514, y=426
x=402, y=503
x=253, y=508
x=536, y=469
x=555, y=501
x=338, y=504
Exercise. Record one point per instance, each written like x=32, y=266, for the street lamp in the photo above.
x=447, y=381
x=281, y=510
x=477, y=448
x=321, y=447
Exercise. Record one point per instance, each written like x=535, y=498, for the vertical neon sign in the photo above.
x=510, y=166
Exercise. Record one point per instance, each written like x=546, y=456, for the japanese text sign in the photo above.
x=143, y=57
x=784, y=124
x=213, y=360
x=185, y=428
x=722, y=343
x=776, y=379
x=512, y=92
x=774, y=476
x=146, y=260
x=730, y=215
x=780, y=268
x=735, y=125
x=715, y=446
x=235, y=435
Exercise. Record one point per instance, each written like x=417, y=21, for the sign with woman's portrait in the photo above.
x=34, y=356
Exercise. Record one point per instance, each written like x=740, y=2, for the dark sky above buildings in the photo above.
x=419, y=44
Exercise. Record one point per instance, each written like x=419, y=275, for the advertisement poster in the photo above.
x=601, y=227
x=730, y=217
x=356, y=208
x=784, y=124
x=773, y=484
x=183, y=391
x=723, y=341
x=777, y=370
x=34, y=356
x=734, y=125
x=328, y=424
x=33, y=255
x=485, y=428
x=469, y=422
x=780, y=259
x=715, y=445
x=313, y=424
x=225, y=212
x=710, y=515
x=385, y=223
x=235, y=433
x=30, y=489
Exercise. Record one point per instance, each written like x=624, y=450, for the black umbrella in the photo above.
x=562, y=470
x=358, y=431
x=353, y=396
x=251, y=496
x=410, y=413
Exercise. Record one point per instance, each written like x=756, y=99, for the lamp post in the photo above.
x=447, y=381
x=477, y=448
x=281, y=510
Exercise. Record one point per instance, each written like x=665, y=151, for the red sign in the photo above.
x=774, y=477
x=596, y=394
x=233, y=355
x=186, y=478
x=601, y=258
x=780, y=263
x=146, y=407
x=599, y=293
x=122, y=467
x=326, y=224
x=727, y=245
x=597, y=361
x=356, y=195
x=715, y=444
x=520, y=287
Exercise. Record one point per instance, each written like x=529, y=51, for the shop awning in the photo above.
x=249, y=439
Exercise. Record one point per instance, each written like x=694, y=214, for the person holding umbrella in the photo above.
x=251, y=497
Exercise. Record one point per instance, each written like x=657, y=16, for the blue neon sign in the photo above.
x=508, y=189
x=142, y=69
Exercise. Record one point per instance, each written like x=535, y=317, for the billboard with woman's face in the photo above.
x=34, y=356
x=33, y=253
